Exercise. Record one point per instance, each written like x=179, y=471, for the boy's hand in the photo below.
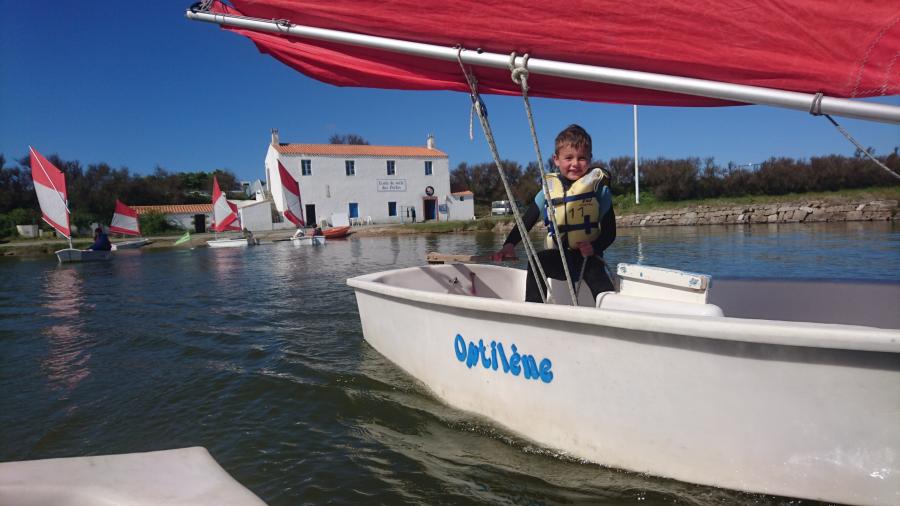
x=586, y=249
x=507, y=251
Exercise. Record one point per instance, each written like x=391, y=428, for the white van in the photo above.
x=500, y=208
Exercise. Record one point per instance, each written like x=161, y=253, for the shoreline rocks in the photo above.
x=796, y=212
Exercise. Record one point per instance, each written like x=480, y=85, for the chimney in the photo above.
x=429, y=141
x=275, y=137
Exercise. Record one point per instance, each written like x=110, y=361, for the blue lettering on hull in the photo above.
x=493, y=357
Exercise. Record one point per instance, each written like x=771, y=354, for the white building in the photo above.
x=377, y=184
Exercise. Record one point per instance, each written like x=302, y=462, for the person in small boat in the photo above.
x=249, y=236
x=318, y=231
x=582, y=205
x=101, y=241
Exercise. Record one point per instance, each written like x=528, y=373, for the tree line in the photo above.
x=94, y=189
x=692, y=178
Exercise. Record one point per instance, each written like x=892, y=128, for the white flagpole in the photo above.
x=637, y=189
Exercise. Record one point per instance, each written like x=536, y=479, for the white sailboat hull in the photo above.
x=308, y=240
x=807, y=410
x=228, y=243
x=137, y=243
x=72, y=255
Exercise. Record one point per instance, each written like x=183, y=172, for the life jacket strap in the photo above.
x=587, y=226
x=572, y=198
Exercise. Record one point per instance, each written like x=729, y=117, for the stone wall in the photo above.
x=797, y=212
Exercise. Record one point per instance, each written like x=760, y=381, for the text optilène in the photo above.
x=493, y=357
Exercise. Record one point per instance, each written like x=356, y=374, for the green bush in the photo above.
x=22, y=216
x=153, y=223
x=7, y=226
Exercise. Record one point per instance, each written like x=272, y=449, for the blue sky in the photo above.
x=137, y=85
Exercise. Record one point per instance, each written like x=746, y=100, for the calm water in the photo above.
x=258, y=356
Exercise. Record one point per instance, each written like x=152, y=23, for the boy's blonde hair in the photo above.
x=575, y=136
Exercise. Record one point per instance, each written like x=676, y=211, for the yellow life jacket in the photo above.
x=577, y=209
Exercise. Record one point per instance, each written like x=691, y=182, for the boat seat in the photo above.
x=619, y=302
x=660, y=283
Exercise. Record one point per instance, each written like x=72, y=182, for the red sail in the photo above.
x=810, y=46
x=50, y=185
x=125, y=220
x=224, y=212
x=293, y=210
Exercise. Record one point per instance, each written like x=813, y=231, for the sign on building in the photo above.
x=391, y=185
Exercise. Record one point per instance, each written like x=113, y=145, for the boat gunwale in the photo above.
x=775, y=332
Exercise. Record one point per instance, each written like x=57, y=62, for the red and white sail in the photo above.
x=125, y=220
x=293, y=209
x=236, y=224
x=224, y=212
x=50, y=185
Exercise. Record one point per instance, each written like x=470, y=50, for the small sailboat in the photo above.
x=293, y=209
x=50, y=185
x=125, y=222
x=768, y=386
x=225, y=219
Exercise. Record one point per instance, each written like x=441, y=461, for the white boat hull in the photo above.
x=171, y=477
x=798, y=409
x=137, y=243
x=228, y=243
x=72, y=255
x=308, y=240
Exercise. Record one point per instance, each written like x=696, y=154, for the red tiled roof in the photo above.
x=175, y=209
x=358, y=150
x=467, y=192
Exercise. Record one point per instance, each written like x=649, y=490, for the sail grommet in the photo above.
x=816, y=107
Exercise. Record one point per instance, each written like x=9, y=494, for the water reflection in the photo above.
x=66, y=363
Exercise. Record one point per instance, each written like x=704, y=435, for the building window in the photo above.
x=392, y=209
x=391, y=168
x=306, y=167
x=350, y=167
x=428, y=168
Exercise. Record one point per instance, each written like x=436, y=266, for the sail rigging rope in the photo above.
x=815, y=109
x=519, y=75
x=859, y=146
x=480, y=108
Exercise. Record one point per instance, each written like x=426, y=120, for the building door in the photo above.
x=430, y=209
x=311, y=215
x=199, y=223
x=354, y=210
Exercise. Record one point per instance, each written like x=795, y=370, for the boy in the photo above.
x=582, y=205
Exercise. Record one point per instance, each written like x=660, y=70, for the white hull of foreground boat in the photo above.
x=807, y=410
x=308, y=240
x=171, y=477
x=72, y=255
x=228, y=243
x=137, y=243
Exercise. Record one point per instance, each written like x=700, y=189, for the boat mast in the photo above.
x=646, y=80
